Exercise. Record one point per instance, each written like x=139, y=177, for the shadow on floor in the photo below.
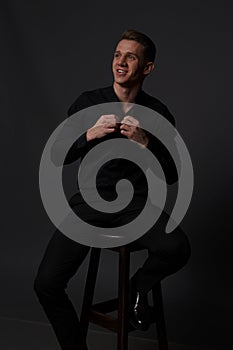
x=27, y=335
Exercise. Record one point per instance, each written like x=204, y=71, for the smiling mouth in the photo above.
x=121, y=71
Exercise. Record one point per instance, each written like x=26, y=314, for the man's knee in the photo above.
x=182, y=249
x=173, y=245
x=43, y=286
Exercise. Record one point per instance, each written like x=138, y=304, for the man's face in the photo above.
x=128, y=63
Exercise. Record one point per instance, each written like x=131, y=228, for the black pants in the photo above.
x=167, y=253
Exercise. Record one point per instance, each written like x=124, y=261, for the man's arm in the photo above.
x=165, y=159
x=105, y=124
x=80, y=146
x=130, y=128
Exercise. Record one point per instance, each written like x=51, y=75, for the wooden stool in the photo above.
x=97, y=313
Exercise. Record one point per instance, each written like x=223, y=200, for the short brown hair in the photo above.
x=149, y=46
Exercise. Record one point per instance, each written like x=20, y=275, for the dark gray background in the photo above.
x=51, y=52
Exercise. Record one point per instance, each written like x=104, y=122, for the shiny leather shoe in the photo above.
x=139, y=311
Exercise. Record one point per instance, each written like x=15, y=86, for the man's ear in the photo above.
x=149, y=66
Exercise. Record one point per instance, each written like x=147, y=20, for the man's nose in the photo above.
x=122, y=61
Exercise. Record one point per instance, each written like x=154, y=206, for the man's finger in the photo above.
x=130, y=120
x=109, y=130
x=125, y=127
x=110, y=124
x=110, y=117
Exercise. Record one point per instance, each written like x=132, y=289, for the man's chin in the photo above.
x=122, y=83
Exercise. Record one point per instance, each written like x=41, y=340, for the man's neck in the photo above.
x=126, y=94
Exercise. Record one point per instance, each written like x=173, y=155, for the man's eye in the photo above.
x=117, y=55
x=131, y=57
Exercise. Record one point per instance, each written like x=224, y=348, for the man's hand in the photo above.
x=106, y=124
x=131, y=129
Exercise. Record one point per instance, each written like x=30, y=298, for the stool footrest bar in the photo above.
x=104, y=320
x=106, y=306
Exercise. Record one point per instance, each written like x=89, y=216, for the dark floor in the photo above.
x=26, y=335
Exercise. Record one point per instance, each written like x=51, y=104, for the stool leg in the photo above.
x=89, y=291
x=160, y=321
x=123, y=286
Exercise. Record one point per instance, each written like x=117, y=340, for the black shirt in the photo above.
x=118, y=169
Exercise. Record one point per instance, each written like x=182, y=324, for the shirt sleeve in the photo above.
x=80, y=147
x=161, y=152
x=165, y=159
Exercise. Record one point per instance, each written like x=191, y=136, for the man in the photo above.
x=133, y=61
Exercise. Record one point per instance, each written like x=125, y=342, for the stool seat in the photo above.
x=98, y=313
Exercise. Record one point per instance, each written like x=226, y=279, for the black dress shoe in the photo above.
x=139, y=310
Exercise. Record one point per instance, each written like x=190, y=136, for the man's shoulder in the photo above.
x=91, y=98
x=158, y=106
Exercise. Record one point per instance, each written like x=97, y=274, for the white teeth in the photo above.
x=120, y=71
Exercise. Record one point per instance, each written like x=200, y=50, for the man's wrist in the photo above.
x=89, y=135
x=146, y=141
